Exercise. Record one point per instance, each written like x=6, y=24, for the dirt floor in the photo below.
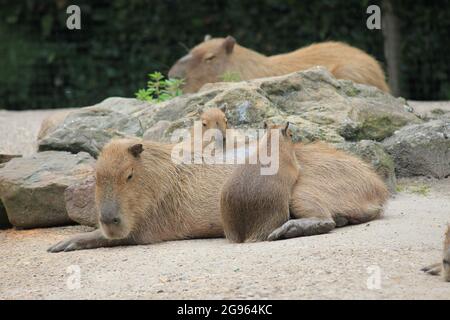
x=377, y=260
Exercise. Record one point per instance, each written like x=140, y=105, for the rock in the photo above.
x=80, y=202
x=373, y=153
x=7, y=157
x=4, y=222
x=421, y=150
x=320, y=106
x=50, y=123
x=88, y=129
x=32, y=188
x=156, y=132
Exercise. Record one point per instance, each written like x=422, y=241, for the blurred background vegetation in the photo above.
x=45, y=65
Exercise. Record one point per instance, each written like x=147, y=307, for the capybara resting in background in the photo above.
x=254, y=204
x=211, y=60
x=444, y=267
x=144, y=197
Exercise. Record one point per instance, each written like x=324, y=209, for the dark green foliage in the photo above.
x=159, y=89
x=45, y=65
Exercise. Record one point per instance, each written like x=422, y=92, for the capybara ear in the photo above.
x=136, y=150
x=265, y=125
x=207, y=37
x=228, y=44
x=223, y=107
x=286, y=131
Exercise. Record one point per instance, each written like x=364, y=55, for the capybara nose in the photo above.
x=108, y=220
x=176, y=73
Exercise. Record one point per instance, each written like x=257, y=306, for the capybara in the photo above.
x=444, y=267
x=253, y=204
x=211, y=60
x=213, y=119
x=144, y=197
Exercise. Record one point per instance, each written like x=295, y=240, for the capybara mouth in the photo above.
x=114, y=231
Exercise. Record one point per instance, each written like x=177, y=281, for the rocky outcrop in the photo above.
x=373, y=153
x=32, y=188
x=80, y=202
x=7, y=157
x=319, y=107
x=421, y=150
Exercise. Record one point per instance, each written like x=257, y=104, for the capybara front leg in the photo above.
x=434, y=269
x=302, y=227
x=88, y=240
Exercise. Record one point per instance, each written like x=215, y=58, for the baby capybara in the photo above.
x=253, y=204
x=211, y=60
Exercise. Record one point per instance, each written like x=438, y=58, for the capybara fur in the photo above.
x=212, y=118
x=144, y=197
x=209, y=61
x=446, y=258
x=252, y=204
x=444, y=266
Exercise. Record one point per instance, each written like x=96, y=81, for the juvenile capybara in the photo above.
x=444, y=267
x=144, y=197
x=214, y=120
x=211, y=60
x=253, y=204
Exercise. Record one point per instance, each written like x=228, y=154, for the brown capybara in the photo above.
x=213, y=119
x=211, y=60
x=254, y=204
x=143, y=196
x=444, y=267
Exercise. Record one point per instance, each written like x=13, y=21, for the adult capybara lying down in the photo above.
x=144, y=197
x=211, y=60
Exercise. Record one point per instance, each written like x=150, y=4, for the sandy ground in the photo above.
x=378, y=260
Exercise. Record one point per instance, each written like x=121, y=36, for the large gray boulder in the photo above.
x=319, y=107
x=32, y=188
x=80, y=202
x=374, y=154
x=421, y=150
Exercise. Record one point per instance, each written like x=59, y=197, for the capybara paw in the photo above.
x=434, y=269
x=302, y=228
x=66, y=245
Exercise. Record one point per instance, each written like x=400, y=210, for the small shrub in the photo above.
x=230, y=76
x=160, y=89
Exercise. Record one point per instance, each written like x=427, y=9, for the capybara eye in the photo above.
x=129, y=177
x=204, y=124
x=209, y=57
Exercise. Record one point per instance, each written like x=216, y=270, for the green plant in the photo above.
x=230, y=76
x=160, y=89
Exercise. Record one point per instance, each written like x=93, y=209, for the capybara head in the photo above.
x=118, y=171
x=285, y=134
x=214, y=118
x=206, y=63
